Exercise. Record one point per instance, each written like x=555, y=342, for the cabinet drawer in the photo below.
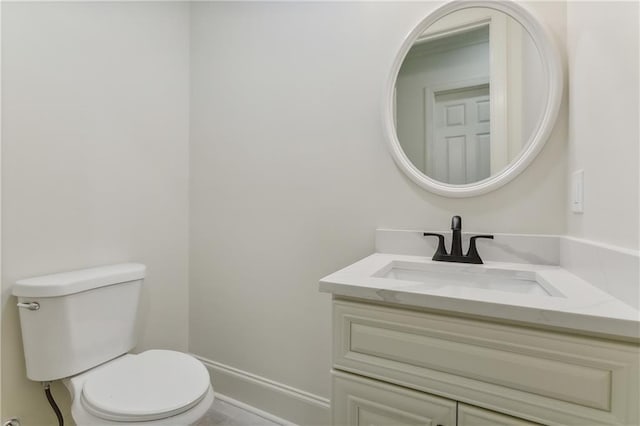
x=359, y=401
x=573, y=379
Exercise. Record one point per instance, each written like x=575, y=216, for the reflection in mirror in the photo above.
x=469, y=95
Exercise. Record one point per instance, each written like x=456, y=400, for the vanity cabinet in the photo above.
x=400, y=366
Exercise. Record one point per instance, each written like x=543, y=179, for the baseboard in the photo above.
x=253, y=410
x=267, y=398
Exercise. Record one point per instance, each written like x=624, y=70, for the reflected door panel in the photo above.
x=460, y=149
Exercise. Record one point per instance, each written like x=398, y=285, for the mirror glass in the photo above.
x=469, y=96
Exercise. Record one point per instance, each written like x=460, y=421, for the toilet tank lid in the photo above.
x=71, y=282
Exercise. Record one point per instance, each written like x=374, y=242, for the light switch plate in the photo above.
x=577, y=191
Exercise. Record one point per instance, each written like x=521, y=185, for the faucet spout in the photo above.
x=456, y=236
x=456, y=255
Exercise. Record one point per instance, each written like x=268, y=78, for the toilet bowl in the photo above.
x=153, y=388
x=78, y=327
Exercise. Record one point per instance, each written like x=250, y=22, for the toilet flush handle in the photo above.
x=32, y=306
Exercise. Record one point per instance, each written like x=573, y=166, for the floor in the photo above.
x=224, y=414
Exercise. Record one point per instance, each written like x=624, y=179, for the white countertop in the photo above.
x=581, y=307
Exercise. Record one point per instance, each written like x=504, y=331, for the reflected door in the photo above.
x=459, y=151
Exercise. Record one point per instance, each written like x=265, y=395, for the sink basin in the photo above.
x=452, y=276
x=537, y=294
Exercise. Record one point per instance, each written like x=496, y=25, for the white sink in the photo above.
x=544, y=295
x=449, y=275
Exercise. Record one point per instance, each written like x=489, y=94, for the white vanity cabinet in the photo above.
x=396, y=366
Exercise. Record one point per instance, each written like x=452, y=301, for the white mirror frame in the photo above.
x=552, y=66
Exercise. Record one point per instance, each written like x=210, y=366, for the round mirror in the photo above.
x=472, y=97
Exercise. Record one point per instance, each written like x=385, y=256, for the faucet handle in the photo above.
x=472, y=254
x=456, y=223
x=440, y=251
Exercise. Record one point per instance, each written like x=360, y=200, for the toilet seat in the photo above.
x=152, y=385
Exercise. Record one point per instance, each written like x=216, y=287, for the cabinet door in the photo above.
x=469, y=415
x=364, y=402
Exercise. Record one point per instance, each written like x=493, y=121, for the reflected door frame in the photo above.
x=505, y=73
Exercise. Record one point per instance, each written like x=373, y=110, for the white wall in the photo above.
x=603, y=52
x=290, y=176
x=94, y=162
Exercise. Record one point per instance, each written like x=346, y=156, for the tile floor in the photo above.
x=224, y=414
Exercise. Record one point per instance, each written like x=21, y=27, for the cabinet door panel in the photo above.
x=358, y=401
x=469, y=415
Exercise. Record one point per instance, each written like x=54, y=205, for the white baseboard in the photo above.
x=253, y=410
x=267, y=398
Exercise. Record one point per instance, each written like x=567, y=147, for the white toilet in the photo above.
x=78, y=326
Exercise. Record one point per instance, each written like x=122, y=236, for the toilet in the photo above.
x=79, y=327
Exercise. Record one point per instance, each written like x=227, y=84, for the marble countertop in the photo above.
x=578, y=307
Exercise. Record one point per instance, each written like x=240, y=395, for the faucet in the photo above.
x=456, y=255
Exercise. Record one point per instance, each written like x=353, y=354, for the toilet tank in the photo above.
x=83, y=318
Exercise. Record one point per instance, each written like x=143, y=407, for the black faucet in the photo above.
x=456, y=255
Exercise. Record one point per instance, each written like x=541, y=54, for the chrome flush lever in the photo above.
x=32, y=306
